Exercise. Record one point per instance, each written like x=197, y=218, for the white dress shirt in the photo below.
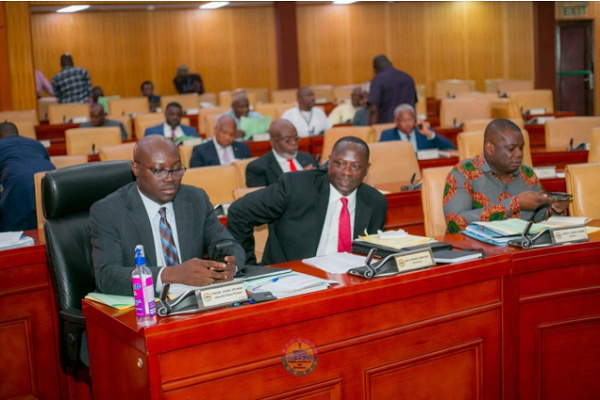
x=308, y=123
x=168, y=131
x=284, y=164
x=328, y=244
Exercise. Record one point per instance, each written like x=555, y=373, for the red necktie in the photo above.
x=344, y=233
x=292, y=165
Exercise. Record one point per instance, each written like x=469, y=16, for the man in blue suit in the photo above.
x=418, y=132
x=222, y=149
x=20, y=158
x=172, y=127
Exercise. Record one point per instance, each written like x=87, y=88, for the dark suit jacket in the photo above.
x=266, y=170
x=20, y=158
x=205, y=154
x=119, y=222
x=439, y=142
x=295, y=208
x=158, y=130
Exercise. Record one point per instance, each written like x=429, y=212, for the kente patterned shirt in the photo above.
x=473, y=192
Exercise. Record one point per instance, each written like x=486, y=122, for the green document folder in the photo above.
x=255, y=126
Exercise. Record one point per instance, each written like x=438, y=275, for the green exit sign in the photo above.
x=575, y=10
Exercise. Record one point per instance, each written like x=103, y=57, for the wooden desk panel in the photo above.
x=434, y=332
x=558, y=157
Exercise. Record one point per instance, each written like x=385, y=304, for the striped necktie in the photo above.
x=166, y=239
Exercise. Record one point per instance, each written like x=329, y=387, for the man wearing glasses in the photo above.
x=283, y=157
x=175, y=223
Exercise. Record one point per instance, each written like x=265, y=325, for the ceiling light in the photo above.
x=214, y=4
x=344, y=1
x=71, y=9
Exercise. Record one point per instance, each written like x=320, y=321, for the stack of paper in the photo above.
x=12, y=240
x=338, y=263
x=112, y=300
x=291, y=284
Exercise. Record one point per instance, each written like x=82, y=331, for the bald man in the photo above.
x=98, y=119
x=307, y=119
x=133, y=214
x=496, y=185
x=222, y=149
x=283, y=157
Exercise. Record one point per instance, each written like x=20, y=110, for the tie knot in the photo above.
x=163, y=212
x=344, y=201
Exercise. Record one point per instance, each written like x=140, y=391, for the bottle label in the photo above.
x=144, y=302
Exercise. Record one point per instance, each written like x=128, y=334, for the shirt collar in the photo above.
x=335, y=196
x=152, y=207
x=485, y=167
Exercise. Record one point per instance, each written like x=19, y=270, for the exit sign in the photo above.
x=574, y=9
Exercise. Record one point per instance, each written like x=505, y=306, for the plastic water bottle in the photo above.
x=143, y=290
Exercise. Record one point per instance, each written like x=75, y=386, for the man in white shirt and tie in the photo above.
x=222, y=149
x=172, y=127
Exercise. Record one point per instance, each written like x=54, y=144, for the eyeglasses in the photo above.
x=289, y=140
x=164, y=173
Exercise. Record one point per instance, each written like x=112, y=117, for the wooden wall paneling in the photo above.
x=20, y=55
x=5, y=89
x=518, y=28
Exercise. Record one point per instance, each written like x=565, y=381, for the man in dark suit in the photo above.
x=222, y=149
x=134, y=215
x=284, y=153
x=313, y=212
x=418, y=132
x=98, y=119
x=20, y=159
x=172, y=127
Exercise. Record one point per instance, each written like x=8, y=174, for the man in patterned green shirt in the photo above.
x=496, y=185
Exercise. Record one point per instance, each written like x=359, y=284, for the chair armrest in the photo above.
x=73, y=323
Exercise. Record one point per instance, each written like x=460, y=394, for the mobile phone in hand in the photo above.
x=219, y=251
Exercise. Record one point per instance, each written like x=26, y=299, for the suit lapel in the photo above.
x=274, y=168
x=213, y=153
x=362, y=214
x=184, y=218
x=321, y=204
x=139, y=220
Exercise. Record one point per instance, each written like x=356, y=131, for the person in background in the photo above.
x=361, y=117
x=71, y=84
x=496, y=185
x=344, y=113
x=240, y=107
x=175, y=223
x=411, y=129
x=222, y=149
x=389, y=88
x=42, y=84
x=283, y=157
x=172, y=127
x=96, y=93
x=312, y=213
x=187, y=83
x=98, y=119
x=308, y=119
x=20, y=159
x=147, y=89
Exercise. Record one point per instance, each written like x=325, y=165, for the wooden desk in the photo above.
x=558, y=157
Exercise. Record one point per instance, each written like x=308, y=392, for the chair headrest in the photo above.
x=74, y=189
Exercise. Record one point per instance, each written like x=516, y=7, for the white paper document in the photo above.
x=338, y=263
x=12, y=240
x=287, y=285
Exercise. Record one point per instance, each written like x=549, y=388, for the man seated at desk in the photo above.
x=283, y=157
x=175, y=223
x=98, y=119
x=240, y=107
x=495, y=185
x=147, y=89
x=344, y=112
x=409, y=128
x=222, y=149
x=312, y=213
x=172, y=127
x=308, y=119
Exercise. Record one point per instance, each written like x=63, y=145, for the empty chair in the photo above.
x=323, y=93
x=393, y=161
x=68, y=161
x=275, y=110
x=26, y=129
x=528, y=99
x=128, y=105
x=380, y=128
x=87, y=140
x=203, y=112
x=261, y=232
x=332, y=135
x=560, y=131
x=343, y=93
x=594, y=154
x=421, y=89
x=126, y=121
x=225, y=99
x=240, y=166
x=421, y=106
x=477, y=96
x=117, y=152
x=210, y=98
x=448, y=88
x=261, y=95
x=187, y=101
x=43, y=104
x=65, y=113
x=454, y=112
x=582, y=182
x=432, y=199
x=20, y=116
x=515, y=85
x=480, y=124
x=217, y=181
x=470, y=145
x=185, y=152
x=287, y=96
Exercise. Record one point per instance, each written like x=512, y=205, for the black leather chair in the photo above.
x=67, y=195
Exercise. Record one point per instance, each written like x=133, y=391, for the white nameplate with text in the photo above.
x=570, y=234
x=222, y=294
x=414, y=260
x=545, y=172
x=428, y=154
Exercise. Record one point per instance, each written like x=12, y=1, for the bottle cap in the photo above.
x=140, y=258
